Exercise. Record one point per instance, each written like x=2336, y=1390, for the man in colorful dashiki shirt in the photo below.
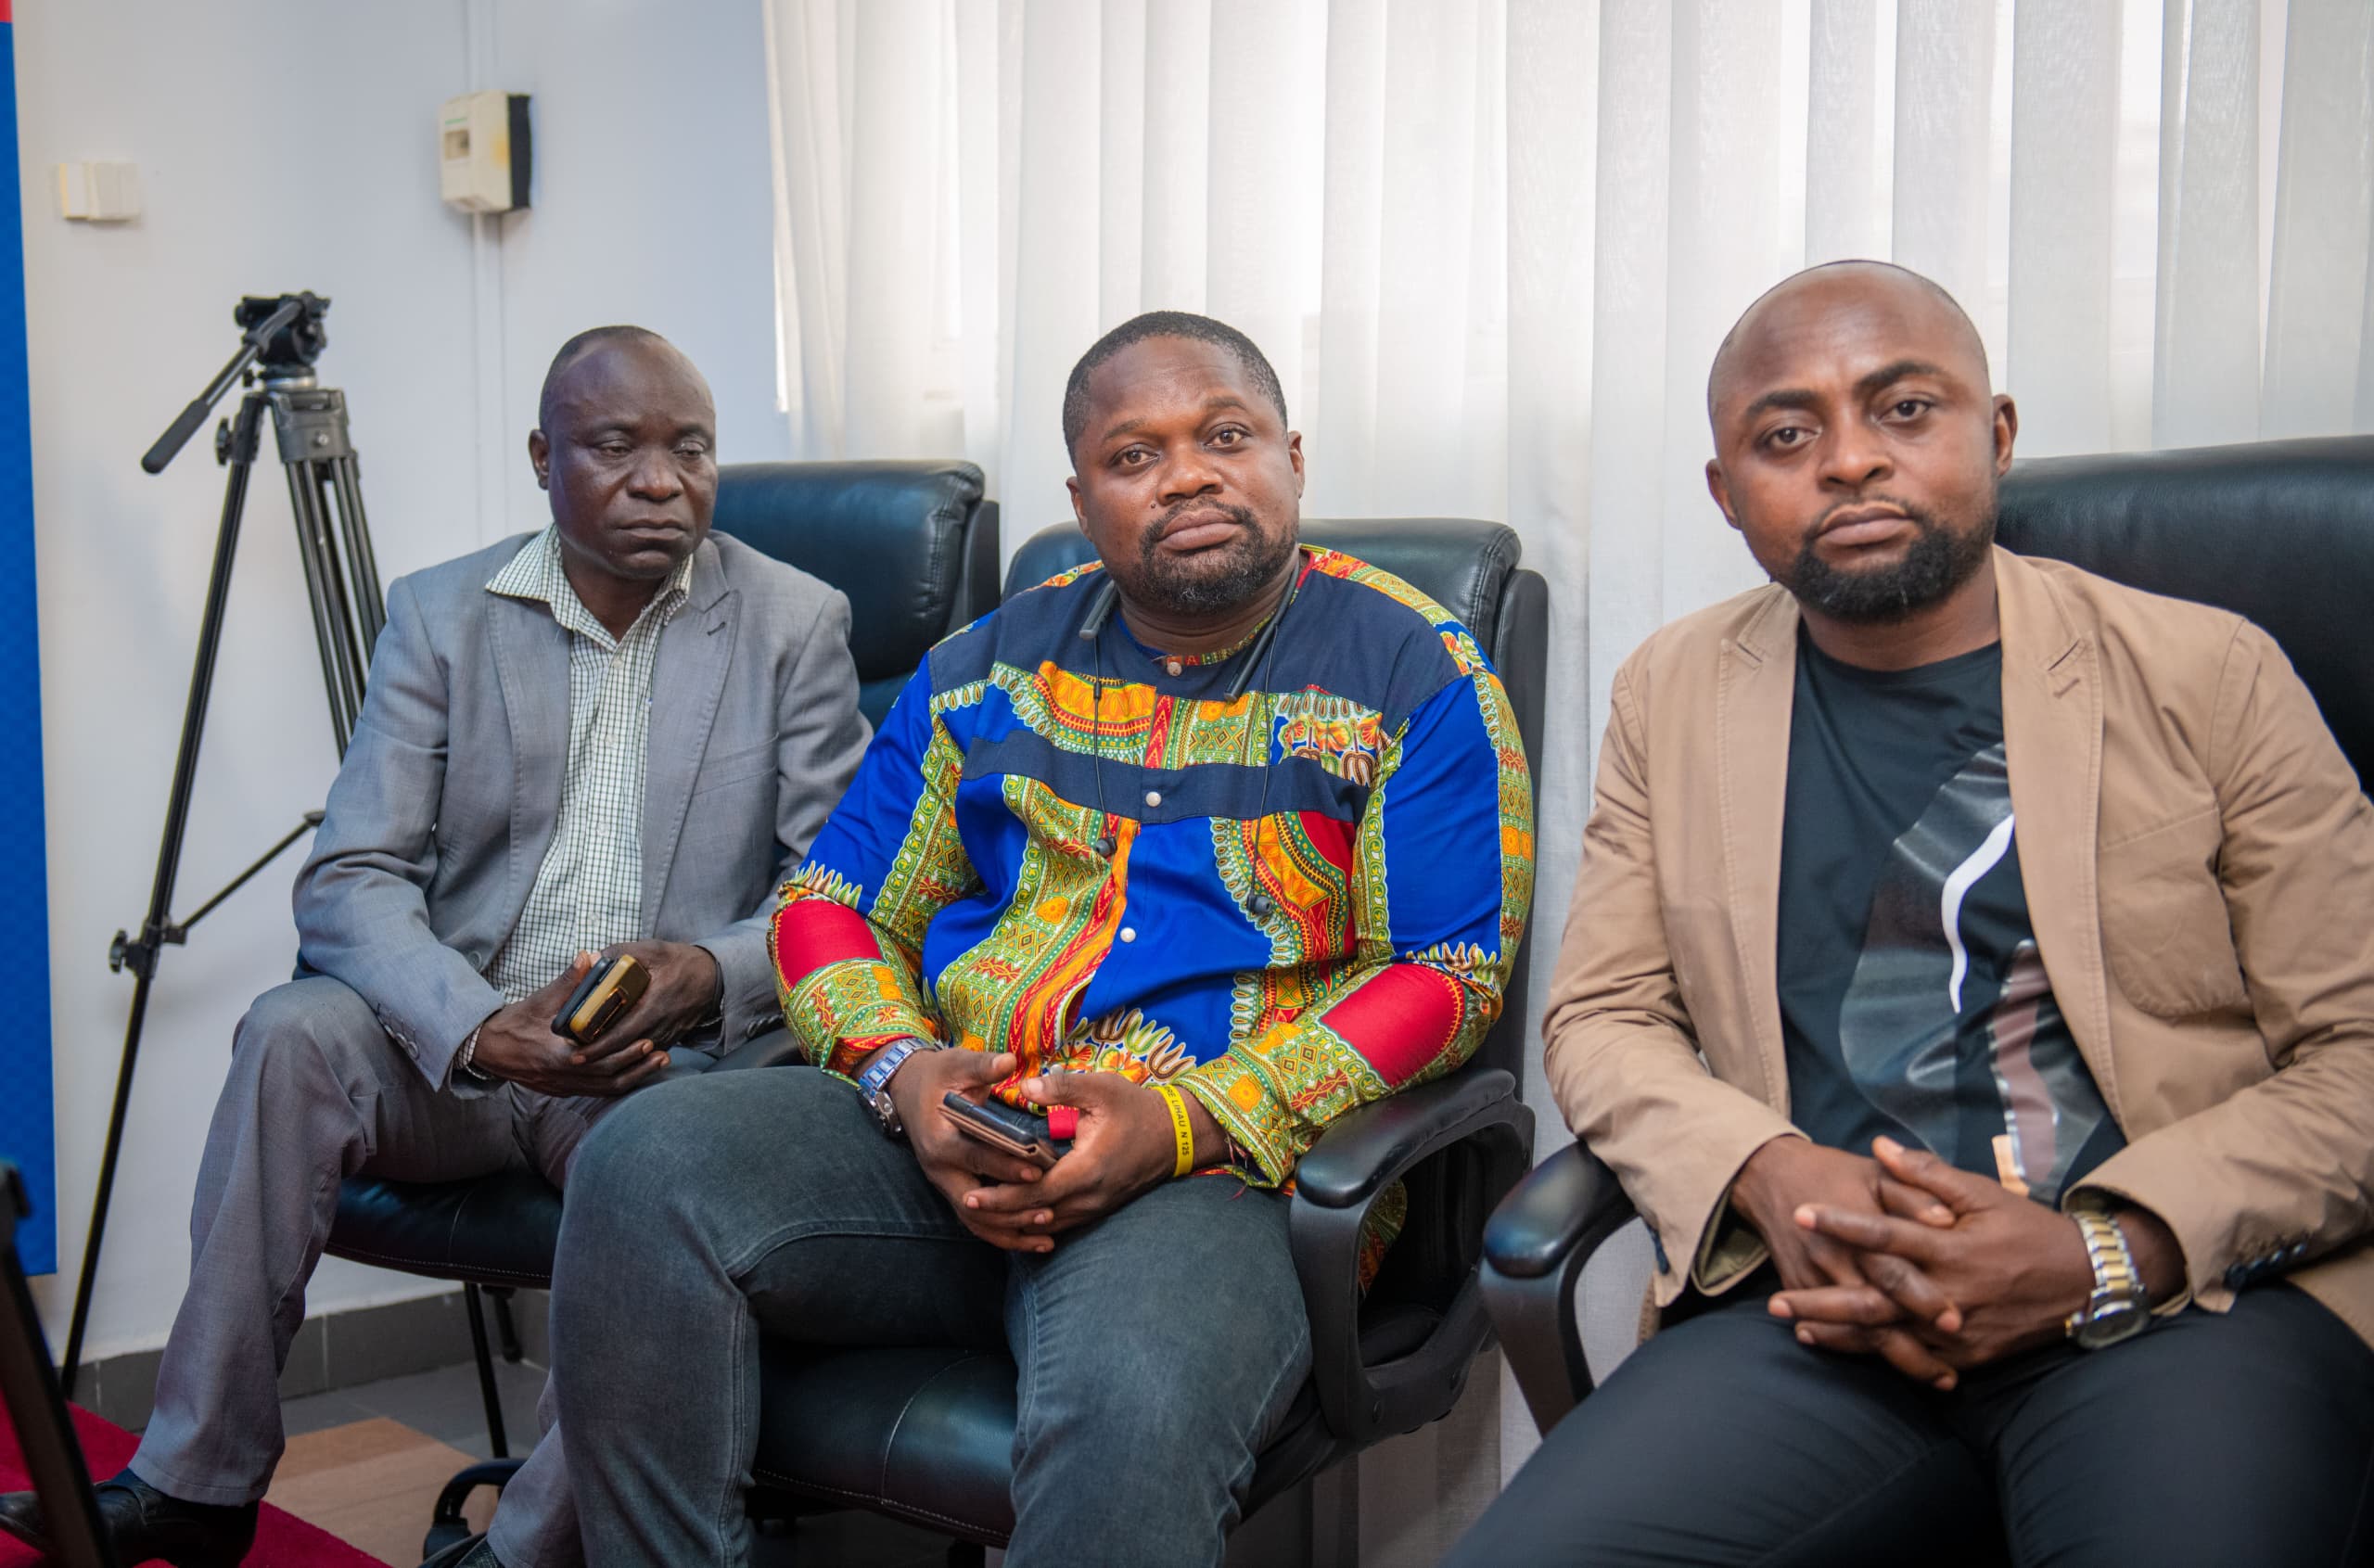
x=1238, y=835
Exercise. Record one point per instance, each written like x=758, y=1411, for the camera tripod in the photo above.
x=282, y=339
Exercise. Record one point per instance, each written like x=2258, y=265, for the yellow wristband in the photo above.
x=1183, y=1131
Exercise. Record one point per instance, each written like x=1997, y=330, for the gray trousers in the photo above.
x=1158, y=1347
x=318, y=1093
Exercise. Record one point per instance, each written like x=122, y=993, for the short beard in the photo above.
x=1211, y=580
x=1939, y=561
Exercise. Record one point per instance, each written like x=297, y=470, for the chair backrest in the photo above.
x=912, y=545
x=1470, y=568
x=2281, y=532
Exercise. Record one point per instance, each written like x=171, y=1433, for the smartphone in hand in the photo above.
x=1004, y=1129
x=611, y=986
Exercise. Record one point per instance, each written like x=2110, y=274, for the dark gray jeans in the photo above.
x=1158, y=1348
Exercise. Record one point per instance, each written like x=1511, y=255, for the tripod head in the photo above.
x=289, y=350
x=285, y=331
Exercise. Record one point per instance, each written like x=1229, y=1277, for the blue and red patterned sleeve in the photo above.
x=847, y=940
x=1441, y=881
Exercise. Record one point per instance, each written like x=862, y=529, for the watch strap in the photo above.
x=2119, y=1291
x=875, y=1081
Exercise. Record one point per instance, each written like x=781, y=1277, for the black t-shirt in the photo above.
x=1913, y=1000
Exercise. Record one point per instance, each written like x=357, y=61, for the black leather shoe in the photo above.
x=142, y=1522
x=472, y=1553
x=20, y=1517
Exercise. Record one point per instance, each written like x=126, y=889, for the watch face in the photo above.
x=2110, y=1325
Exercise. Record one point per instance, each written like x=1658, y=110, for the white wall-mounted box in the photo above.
x=483, y=152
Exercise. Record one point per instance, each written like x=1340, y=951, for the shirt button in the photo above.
x=1129, y=933
x=1154, y=797
x=1174, y=667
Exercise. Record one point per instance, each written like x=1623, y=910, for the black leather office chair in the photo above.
x=912, y=545
x=915, y=548
x=926, y=1433
x=2280, y=531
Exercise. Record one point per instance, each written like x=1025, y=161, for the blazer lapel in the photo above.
x=1753, y=694
x=2053, y=741
x=686, y=687
x=530, y=652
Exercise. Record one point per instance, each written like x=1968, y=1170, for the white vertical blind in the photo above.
x=2064, y=169
x=1491, y=245
x=2320, y=380
x=2205, y=371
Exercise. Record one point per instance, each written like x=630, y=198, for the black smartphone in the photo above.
x=611, y=986
x=1003, y=1128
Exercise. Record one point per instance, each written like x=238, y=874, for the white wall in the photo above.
x=285, y=145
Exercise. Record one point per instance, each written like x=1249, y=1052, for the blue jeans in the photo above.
x=1158, y=1347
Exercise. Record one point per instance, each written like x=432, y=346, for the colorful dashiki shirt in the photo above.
x=957, y=894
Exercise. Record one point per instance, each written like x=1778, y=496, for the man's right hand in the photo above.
x=1789, y=1172
x=953, y=1163
x=518, y=1045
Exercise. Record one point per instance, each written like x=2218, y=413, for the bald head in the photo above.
x=1857, y=444
x=625, y=444
x=595, y=339
x=1838, y=300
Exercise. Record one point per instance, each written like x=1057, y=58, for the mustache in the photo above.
x=1920, y=517
x=1241, y=515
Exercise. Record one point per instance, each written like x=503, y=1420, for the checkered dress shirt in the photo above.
x=588, y=893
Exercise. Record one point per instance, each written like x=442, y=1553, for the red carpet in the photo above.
x=283, y=1540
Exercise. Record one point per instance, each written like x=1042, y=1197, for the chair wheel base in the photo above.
x=446, y=1526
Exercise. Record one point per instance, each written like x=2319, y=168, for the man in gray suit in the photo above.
x=618, y=735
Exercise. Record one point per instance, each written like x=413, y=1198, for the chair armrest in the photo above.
x=776, y=1048
x=1337, y=1184
x=1535, y=1247
x=1374, y=1146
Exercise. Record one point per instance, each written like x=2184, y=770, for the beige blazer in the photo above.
x=2199, y=870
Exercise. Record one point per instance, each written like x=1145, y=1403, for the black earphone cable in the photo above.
x=1257, y=659
x=1091, y=631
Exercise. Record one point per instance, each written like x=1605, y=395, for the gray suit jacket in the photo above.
x=451, y=790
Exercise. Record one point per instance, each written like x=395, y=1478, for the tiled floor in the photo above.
x=366, y=1464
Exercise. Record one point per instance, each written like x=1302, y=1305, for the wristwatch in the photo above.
x=874, y=1082
x=2119, y=1307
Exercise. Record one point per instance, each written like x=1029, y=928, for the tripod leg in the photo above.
x=326, y=498
x=142, y=954
x=327, y=594
x=363, y=566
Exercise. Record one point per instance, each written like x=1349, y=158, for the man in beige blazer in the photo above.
x=1970, y=978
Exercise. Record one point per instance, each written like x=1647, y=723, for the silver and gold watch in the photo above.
x=2119, y=1307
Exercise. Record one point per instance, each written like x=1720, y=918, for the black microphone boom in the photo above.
x=284, y=332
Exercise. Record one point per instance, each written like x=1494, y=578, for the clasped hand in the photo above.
x=1124, y=1146
x=518, y=1044
x=1905, y=1257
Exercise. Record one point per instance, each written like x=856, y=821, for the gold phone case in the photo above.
x=614, y=986
x=983, y=1128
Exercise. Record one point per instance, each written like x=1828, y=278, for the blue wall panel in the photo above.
x=27, y=1134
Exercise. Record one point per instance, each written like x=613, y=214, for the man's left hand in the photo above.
x=1124, y=1147
x=2013, y=1269
x=685, y=990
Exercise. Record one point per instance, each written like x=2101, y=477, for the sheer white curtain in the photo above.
x=1491, y=244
